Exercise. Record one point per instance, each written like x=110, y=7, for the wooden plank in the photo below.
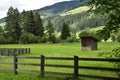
x=6, y=63
x=58, y=58
x=42, y=60
x=99, y=59
x=6, y=56
x=29, y=57
x=98, y=77
x=31, y=64
x=63, y=66
x=76, y=71
x=15, y=65
x=100, y=68
x=5, y=69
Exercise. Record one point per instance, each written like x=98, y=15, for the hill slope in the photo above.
x=58, y=8
x=75, y=11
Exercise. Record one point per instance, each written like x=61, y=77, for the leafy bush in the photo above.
x=27, y=38
x=89, y=33
x=42, y=39
x=118, y=38
x=52, y=39
x=113, y=37
x=115, y=53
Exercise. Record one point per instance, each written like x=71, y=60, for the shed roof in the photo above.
x=89, y=37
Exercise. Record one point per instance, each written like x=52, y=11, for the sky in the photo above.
x=24, y=4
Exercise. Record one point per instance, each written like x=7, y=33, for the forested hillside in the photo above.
x=77, y=20
x=58, y=8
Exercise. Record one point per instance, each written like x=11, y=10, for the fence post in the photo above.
x=28, y=50
x=42, y=65
x=15, y=65
x=2, y=52
x=76, y=70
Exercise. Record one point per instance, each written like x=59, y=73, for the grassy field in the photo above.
x=2, y=24
x=57, y=50
x=75, y=11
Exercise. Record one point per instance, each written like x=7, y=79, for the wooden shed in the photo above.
x=89, y=43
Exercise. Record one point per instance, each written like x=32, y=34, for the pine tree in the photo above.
x=17, y=28
x=12, y=25
x=22, y=20
x=9, y=20
x=39, y=29
x=28, y=24
x=50, y=32
x=49, y=28
x=65, y=32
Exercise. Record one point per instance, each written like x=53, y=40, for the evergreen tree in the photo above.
x=39, y=29
x=49, y=28
x=12, y=25
x=22, y=20
x=17, y=28
x=50, y=32
x=28, y=24
x=1, y=30
x=9, y=20
x=65, y=32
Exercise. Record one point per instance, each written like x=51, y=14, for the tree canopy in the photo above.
x=110, y=8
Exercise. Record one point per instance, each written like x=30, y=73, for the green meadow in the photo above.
x=76, y=11
x=57, y=50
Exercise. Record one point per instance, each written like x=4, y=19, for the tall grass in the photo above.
x=57, y=50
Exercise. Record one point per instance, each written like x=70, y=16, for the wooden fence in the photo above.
x=13, y=51
x=75, y=67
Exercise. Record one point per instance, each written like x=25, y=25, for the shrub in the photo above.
x=118, y=38
x=113, y=37
x=42, y=39
x=27, y=38
x=71, y=39
x=89, y=33
x=52, y=39
x=115, y=53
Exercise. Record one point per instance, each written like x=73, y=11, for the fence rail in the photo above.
x=13, y=51
x=75, y=66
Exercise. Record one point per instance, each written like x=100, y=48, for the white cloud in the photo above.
x=24, y=4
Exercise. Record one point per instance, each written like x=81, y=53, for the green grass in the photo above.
x=75, y=11
x=57, y=50
x=2, y=24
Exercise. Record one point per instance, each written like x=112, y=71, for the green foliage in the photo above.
x=13, y=25
x=113, y=37
x=52, y=38
x=50, y=33
x=27, y=38
x=80, y=21
x=1, y=30
x=39, y=29
x=118, y=38
x=49, y=28
x=65, y=31
x=115, y=53
x=111, y=9
x=28, y=23
x=105, y=35
x=89, y=33
x=42, y=39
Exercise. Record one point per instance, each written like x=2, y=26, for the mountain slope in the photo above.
x=78, y=19
x=76, y=11
x=58, y=8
